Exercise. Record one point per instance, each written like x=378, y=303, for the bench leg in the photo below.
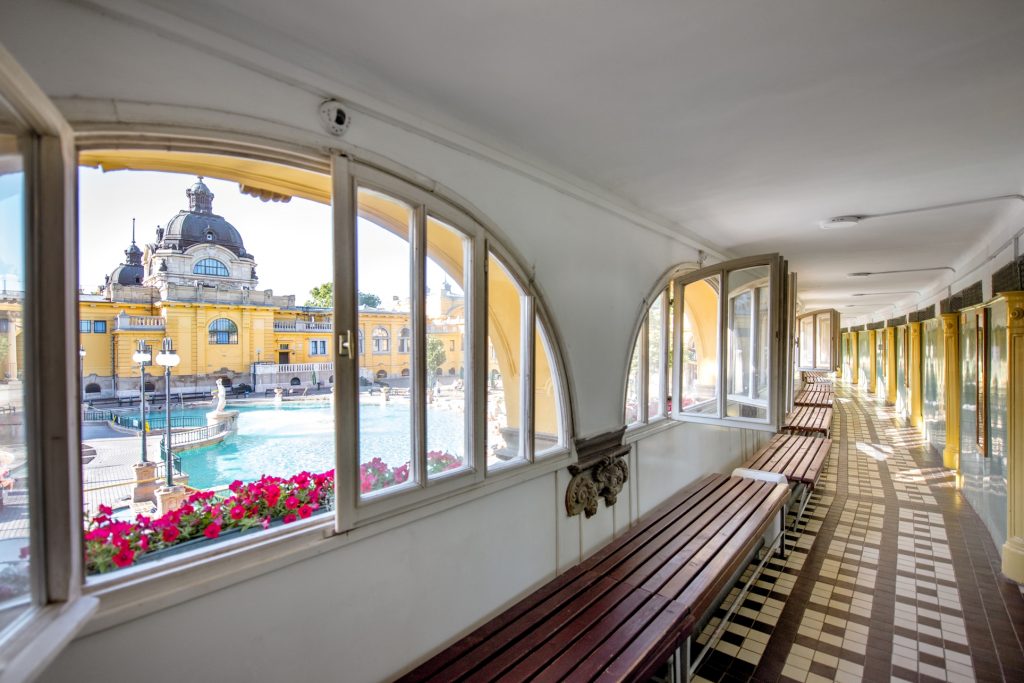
x=804, y=500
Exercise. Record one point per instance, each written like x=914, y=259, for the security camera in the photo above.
x=334, y=117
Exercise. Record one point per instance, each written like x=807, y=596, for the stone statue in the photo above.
x=222, y=396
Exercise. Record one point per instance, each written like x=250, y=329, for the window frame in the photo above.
x=778, y=285
x=231, y=334
x=99, y=326
x=643, y=375
x=210, y=259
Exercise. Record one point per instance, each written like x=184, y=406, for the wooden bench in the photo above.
x=635, y=604
x=800, y=459
x=816, y=398
x=815, y=377
x=808, y=420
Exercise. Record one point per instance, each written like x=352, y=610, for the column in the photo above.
x=842, y=352
x=1013, y=549
x=951, y=373
x=890, y=365
x=914, y=368
x=854, y=359
x=872, y=360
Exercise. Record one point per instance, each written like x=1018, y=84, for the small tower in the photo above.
x=200, y=197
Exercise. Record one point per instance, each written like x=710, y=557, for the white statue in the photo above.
x=222, y=396
x=278, y=396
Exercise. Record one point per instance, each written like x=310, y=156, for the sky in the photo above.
x=12, y=238
x=291, y=242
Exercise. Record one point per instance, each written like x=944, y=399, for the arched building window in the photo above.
x=210, y=266
x=404, y=340
x=223, y=331
x=92, y=388
x=381, y=340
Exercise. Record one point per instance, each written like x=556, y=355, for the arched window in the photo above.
x=381, y=340
x=405, y=372
x=295, y=382
x=451, y=372
x=223, y=331
x=92, y=388
x=210, y=266
x=382, y=374
x=404, y=340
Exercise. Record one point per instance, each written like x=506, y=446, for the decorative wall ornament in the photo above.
x=601, y=471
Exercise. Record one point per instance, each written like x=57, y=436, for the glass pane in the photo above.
x=632, y=384
x=747, y=344
x=547, y=412
x=504, y=365
x=446, y=349
x=385, y=370
x=655, y=356
x=700, y=346
x=807, y=342
x=825, y=341
x=15, y=588
x=244, y=387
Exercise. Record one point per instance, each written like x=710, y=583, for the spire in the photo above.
x=200, y=198
x=133, y=255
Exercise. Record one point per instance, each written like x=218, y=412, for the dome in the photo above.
x=199, y=225
x=131, y=271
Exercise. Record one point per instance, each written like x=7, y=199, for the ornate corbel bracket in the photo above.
x=600, y=472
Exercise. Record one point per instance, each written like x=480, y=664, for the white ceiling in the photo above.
x=746, y=121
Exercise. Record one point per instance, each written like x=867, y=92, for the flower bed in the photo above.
x=112, y=544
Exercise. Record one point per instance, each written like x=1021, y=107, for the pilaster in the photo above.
x=842, y=358
x=914, y=368
x=890, y=366
x=1013, y=549
x=872, y=361
x=951, y=373
x=855, y=358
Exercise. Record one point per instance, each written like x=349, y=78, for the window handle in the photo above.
x=345, y=345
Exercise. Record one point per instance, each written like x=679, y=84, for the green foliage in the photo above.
x=323, y=297
x=435, y=355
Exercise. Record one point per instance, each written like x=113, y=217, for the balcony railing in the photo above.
x=301, y=326
x=281, y=369
x=138, y=322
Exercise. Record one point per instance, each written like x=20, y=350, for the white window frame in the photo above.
x=815, y=342
x=643, y=375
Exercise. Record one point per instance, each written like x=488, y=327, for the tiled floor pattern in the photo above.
x=874, y=587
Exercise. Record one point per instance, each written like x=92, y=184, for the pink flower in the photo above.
x=106, y=510
x=289, y=518
x=212, y=531
x=305, y=511
x=266, y=522
x=171, y=534
x=237, y=512
x=291, y=502
x=124, y=557
x=144, y=543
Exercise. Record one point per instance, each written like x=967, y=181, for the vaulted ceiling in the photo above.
x=745, y=121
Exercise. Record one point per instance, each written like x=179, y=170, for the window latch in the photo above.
x=345, y=345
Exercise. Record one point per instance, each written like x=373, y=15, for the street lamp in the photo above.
x=143, y=356
x=81, y=364
x=168, y=359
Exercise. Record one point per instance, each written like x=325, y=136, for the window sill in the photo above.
x=136, y=592
x=638, y=432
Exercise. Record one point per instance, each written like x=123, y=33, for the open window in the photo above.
x=817, y=340
x=648, y=387
x=728, y=353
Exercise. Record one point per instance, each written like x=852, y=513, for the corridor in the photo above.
x=892, y=576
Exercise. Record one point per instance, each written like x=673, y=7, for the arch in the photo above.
x=210, y=266
x=295, y=382
x=451, y=372
x=93, y=388
x=149, y=386
x=405, y=372
x=382, y=374
x=223, y=331
x=381, y=340
x=225, y=380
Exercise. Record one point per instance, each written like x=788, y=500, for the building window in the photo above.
x=381, y=340
x=99, y=326
x=4, y=325
x=210, y=266
x=84, y=326
x=647, y=392
x=318, y=347
x=451, y=345
x=405, y=372
x=361, y=348
x=404, y=340
x=815, y=339
x=223, y=331
x=92, y=388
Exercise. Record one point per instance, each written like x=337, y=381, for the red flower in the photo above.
x=212, y=531
x=124, y=557
x=291, y=502
x=170, y=534
x=237, y=512
x=305, y=511
x=289, y=518
x=106, y=510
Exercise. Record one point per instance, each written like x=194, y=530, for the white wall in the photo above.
x=373, y=608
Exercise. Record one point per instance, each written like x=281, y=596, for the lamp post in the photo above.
x=81, y=366
x=143, y=356
x=168, y=359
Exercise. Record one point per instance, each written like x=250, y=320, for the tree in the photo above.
x=435, y=355
x=323, y=297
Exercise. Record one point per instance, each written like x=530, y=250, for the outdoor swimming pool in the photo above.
x=284, y=440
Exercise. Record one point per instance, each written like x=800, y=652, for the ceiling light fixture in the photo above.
x=905, y=270
x=850, y=220
x=907, y=291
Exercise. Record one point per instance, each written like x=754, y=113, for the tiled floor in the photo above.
x=890, y=576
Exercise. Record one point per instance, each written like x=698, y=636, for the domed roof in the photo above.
x=131, y=271
x=200, y=225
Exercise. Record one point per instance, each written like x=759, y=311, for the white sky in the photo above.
x=291, y=242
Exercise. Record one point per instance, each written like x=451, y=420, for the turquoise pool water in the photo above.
x=288, y=439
